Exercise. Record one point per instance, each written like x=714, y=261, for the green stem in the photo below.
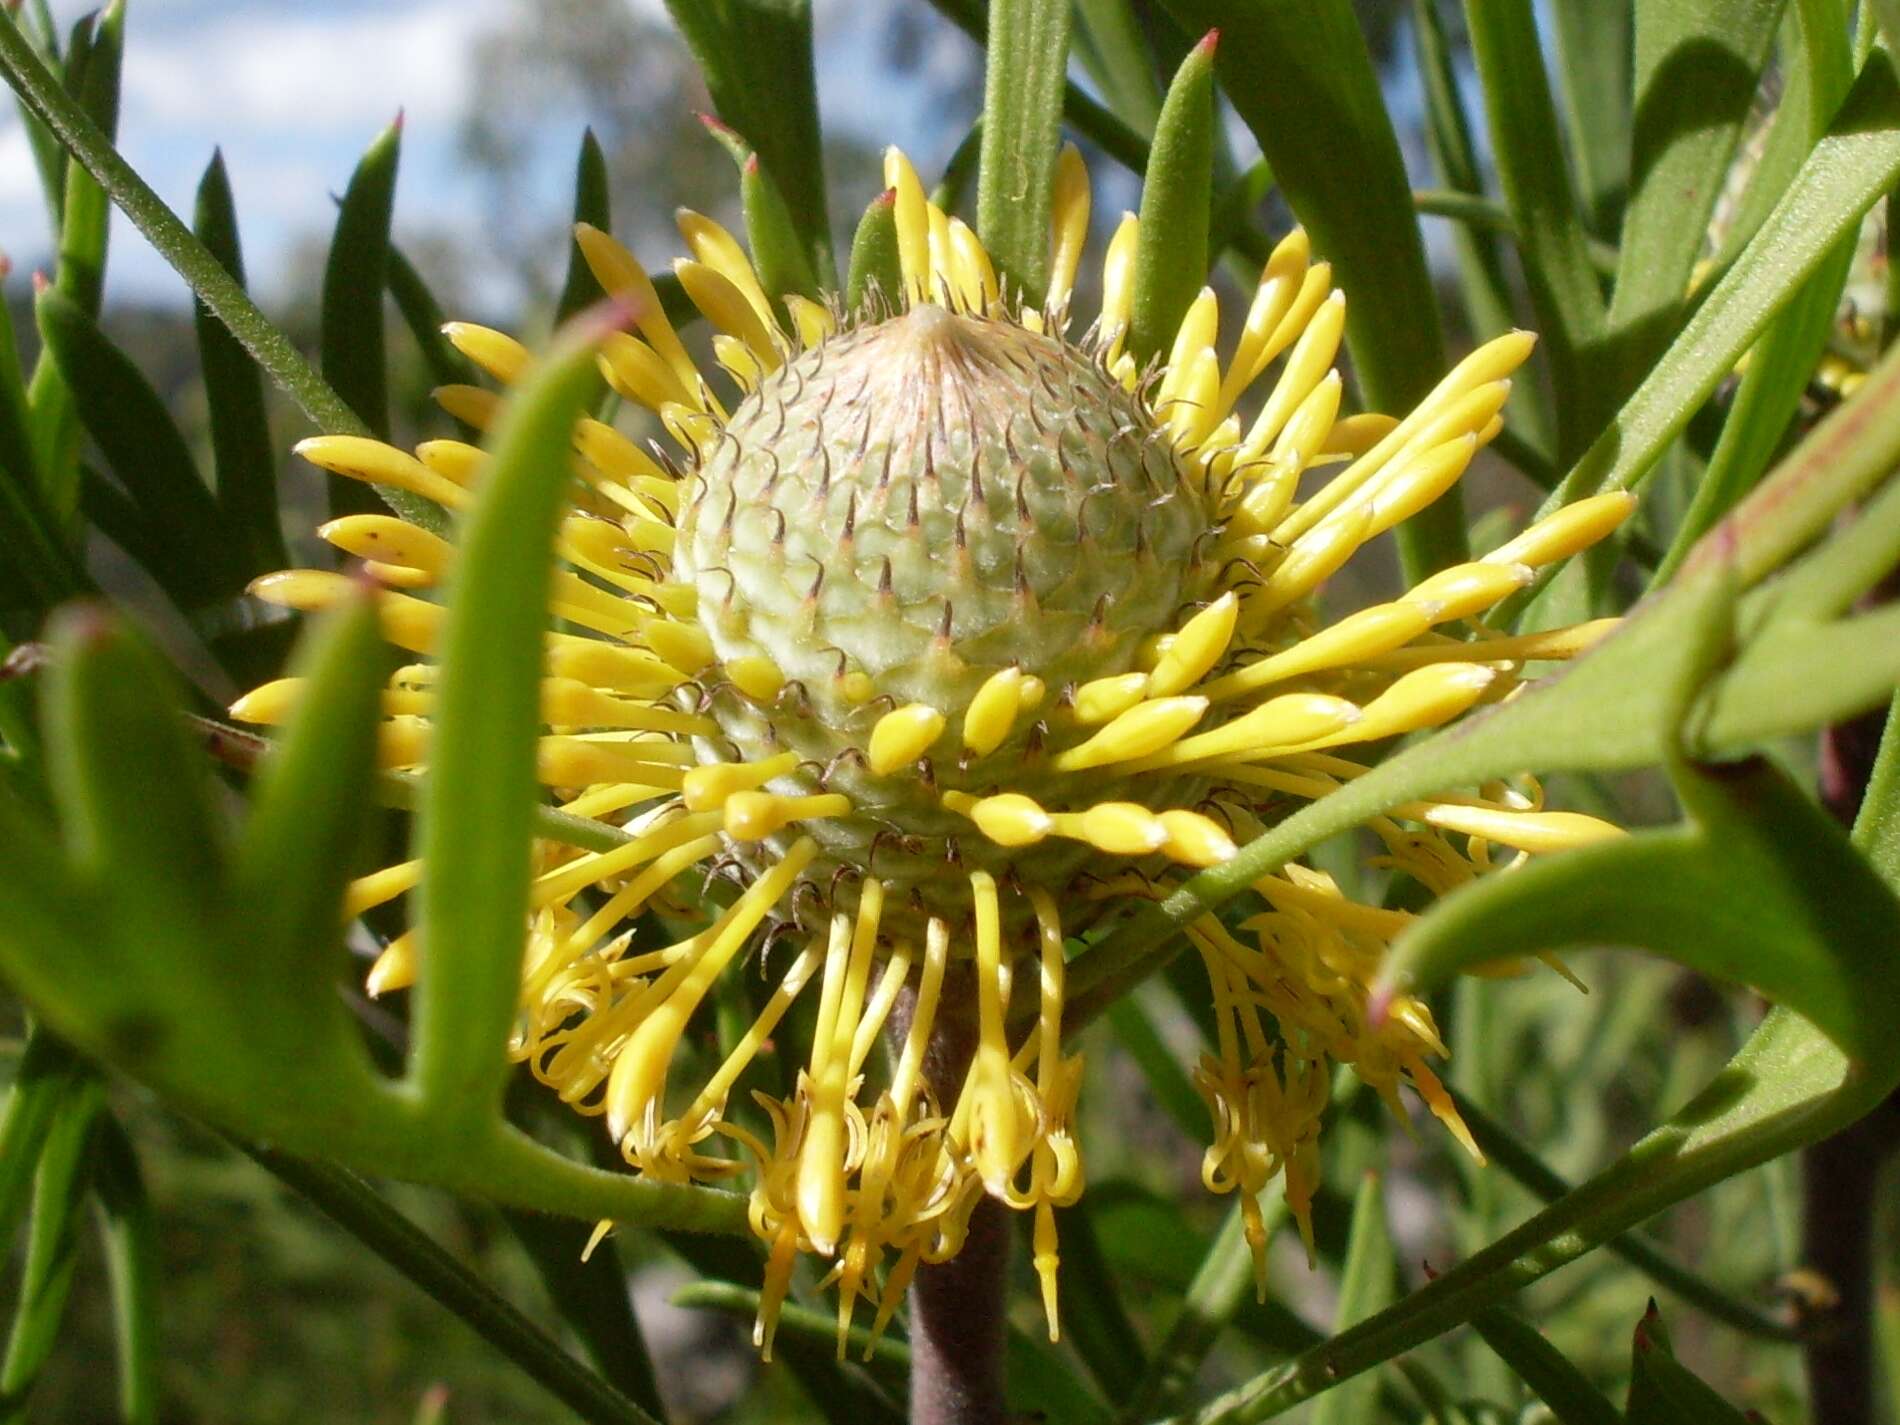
x=353, y=1205
x=1502, y=1148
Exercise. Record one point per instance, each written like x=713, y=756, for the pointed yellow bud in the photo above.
x=1122, y=829
x=1467, y=589
x=471, y=405
x=1110, y=697
x=707, y=788
x=1196, y=648
x=270, y=704
x=1142, y=730
x=395, y=968
x=756, y=676
x=1575, y=527
x=1196, y=840
x=682, y=645
x=361, y=458
x=993, y=711
x=1535, y=831
x=497, y=353
x=1011, y=819
x=1425, y=697
x=901, y=737
x=753, y=816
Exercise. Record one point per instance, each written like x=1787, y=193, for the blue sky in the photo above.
x=294, y=89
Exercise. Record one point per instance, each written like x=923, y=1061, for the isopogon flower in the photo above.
x=943, y=629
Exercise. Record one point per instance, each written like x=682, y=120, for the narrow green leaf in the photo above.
x=60, y=1183
x=1505, y=1151
x=875, y=272
x=590, y=1291
x=475, y=820
x=1365, y=1286
x=1877, y=828
x=592, y=204
x=422, y=314
x=1545, y=1369
x=887, y=1359
x=778, y=250
x=1301, y=78
x=133, y=795
x=1847, y=173
x=1116, y=52
x=1027, y=58
x=1216, y=1295
x=1522, y=121
x=354, y=1206
x=129, y=1231
x=1171, y=253
x=128, y=421
x=1167, y=1080
x=85, y=223
x=243, y=452
x=1594, y=41
x=1698, y=63
x=167, y=233
x=1487, y=292
x=756, y=56
x=1662, y=1389
x=1768, y=398
x=355, y=355
x=94, y=80
x=1094, y=1319
x=49, y=159
x=957, y=173
x=18, y=462
x=305, y=836
x=47, y=1075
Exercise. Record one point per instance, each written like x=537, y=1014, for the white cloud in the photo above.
x=305, y=68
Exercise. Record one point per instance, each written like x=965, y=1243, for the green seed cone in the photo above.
x=898, y=514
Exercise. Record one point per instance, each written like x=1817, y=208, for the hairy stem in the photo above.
x=1840, y=1175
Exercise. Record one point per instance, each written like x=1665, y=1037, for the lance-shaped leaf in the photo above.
x=47, y=1074
x=243, y=453
x=592, y=204
x=1364, y=1286
x=355, y=356
x=874, y=265
x=476, y=818
x=60, y=1182
x=1301, y=78
x=304, y=836
x=181, y=536
x=128, y=1234
x=1545, y=1369
x=1698, y=63
x=1026, y=59
x=756, y=56
x=85, y=225
x=1536, y=182
x=1663, y=1391
x=1176, y=203
x=778, y=253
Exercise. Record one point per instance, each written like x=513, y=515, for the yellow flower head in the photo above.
x=940, y=629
